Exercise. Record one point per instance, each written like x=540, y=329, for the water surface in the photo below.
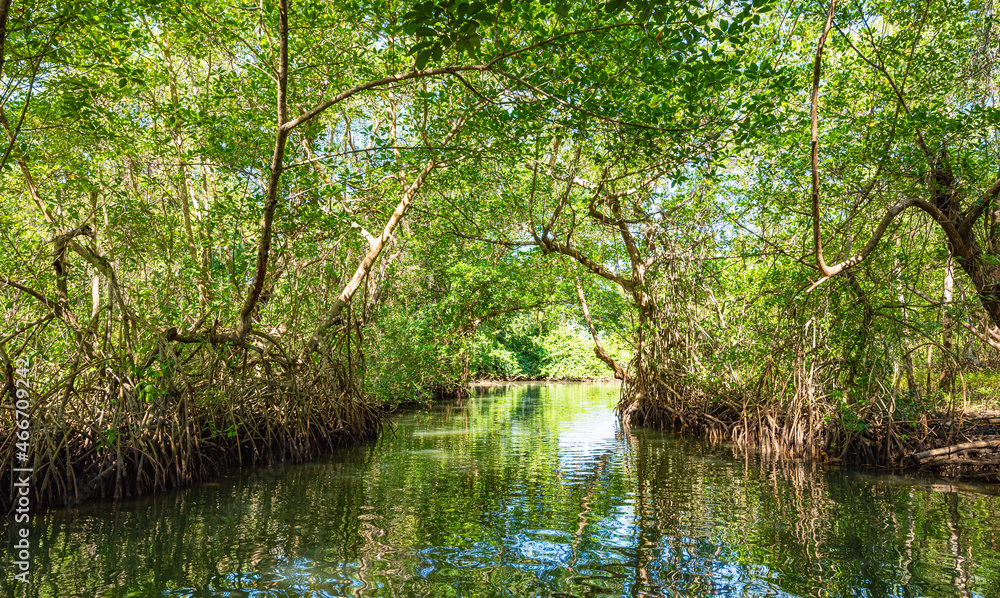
x=526, y=490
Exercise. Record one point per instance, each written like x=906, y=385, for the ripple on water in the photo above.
x=533, y=491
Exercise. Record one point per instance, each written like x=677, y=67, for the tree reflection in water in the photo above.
x=528, y=490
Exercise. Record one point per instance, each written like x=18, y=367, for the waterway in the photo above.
x=527, y=490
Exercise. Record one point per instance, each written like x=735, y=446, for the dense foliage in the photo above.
x=244, y=227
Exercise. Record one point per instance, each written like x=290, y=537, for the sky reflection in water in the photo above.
x=528, y=490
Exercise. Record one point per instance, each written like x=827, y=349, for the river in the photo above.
x=527, y=490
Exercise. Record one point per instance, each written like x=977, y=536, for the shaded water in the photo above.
x=528, y=490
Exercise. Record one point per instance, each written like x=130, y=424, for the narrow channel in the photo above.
x=529, y=490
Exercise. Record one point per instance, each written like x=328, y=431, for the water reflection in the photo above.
x=527, y=490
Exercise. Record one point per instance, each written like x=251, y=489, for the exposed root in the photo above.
x=962, y=448
x=112, y=431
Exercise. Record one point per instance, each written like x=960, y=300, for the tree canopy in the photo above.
x=777, y=216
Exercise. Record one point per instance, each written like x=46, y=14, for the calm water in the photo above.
x=528, y=490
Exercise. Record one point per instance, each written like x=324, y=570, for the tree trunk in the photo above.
x=947, y=325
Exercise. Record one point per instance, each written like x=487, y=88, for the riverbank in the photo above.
x=502, y=381
x=184, y=439
x=180, y=438
x=532, y=490
x=955, y=445
x=177, y=428
x=461, y=391
x=961, y=445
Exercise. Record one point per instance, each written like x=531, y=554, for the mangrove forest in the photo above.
x=500, y=297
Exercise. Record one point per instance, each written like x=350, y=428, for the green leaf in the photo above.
x=424, y=56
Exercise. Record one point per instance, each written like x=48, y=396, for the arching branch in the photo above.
x=599, y=349
x=827, y=270
x=890, y=215
x=814, y=144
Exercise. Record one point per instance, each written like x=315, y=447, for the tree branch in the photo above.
x=599, y=349
x=814, y=144
x=976, y=210
x=890, y=215
x=245, y=324
x=333, y=315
